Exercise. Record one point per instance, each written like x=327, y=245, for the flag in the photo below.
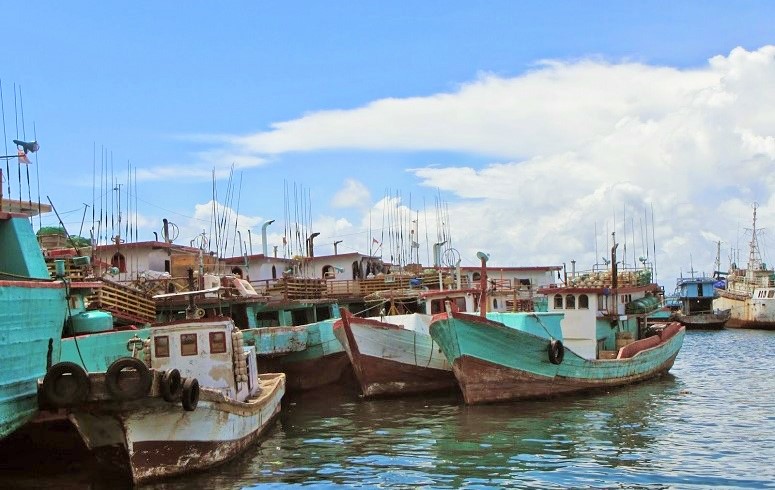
x=285, y=241
x=23, y=157
x=374, y=240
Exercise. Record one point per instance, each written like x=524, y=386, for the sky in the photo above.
x=528, y=130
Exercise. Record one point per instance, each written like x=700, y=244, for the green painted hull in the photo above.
x=495, y=362
x=32, y=314
x=309, y=355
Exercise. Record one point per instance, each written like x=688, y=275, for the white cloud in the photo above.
x=581, y=146
x=353, y=195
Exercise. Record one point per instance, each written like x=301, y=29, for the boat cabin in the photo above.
x=212, y=352
x=594, y=316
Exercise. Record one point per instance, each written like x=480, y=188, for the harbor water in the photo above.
x=709, y=423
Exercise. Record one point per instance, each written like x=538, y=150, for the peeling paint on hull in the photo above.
x=485, y=382
x=380, y=377
x=406, y=364
x=151, y=439
x=493, y=362
x=314, y=373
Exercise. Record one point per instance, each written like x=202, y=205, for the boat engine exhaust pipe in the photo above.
x=263, y=237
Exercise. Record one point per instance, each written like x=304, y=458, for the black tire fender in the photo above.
x=171, y=384
x=556, y=352
x=123, y=390
x=66, y=384
x=189, y=397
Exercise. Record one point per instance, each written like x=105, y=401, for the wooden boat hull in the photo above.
x=494, y=363
x=704, y=321
x=31, y=318
x=152, y=439
x=321, y=363
x=391, y=360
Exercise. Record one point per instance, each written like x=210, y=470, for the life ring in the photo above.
x=189, y=397
x=121, y=388
x=65, y=384
x=556, y=352
x=171, y=384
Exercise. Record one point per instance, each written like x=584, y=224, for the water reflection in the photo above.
x=711, y=423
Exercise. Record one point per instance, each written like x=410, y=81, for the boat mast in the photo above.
x=754, y=258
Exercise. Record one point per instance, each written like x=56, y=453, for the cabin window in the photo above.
x=495, y=303
x=217, y=342
x=167, y=266
x=626, y=298
x=771, y=294
x=356, y=270
x=476, y=276
x=328, y=272
x=601, y=303
x=161, y=346
x=188, y=344
x=274, y=272
x=699, y=290
x=570, y=302
x=557, y=301
x=461, y=304
x=583, y=302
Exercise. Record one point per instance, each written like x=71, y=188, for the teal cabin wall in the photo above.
x=95, y=352
x=540, y=324
x=20, y=252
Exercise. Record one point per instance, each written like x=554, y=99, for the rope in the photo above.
x=538, y=318
x=70, y=316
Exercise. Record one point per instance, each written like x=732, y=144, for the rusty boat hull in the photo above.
x=151, y=439
x=494, y=362
x=390, y=359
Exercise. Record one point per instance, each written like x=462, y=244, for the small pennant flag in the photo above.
x=23, y=157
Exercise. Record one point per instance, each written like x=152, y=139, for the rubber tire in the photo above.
x=171, y=384
x=138, y=390
x=556, y=352
x=189, y=397
x=54, y=378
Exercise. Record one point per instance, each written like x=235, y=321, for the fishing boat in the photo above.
x=594, y=335
x=696, y=295
x=33, y=311
x=394, y=355
x=749, y=293
x=318, y=361
x=196, y=402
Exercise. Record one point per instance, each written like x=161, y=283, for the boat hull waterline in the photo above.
x=495, y=363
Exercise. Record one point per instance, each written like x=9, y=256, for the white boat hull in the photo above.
x=152, y=439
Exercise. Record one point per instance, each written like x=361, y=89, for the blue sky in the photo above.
x=536, y=123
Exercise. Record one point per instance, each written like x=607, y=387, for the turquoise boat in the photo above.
x=295, y=337
x=595, y=335
x=33, y=310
